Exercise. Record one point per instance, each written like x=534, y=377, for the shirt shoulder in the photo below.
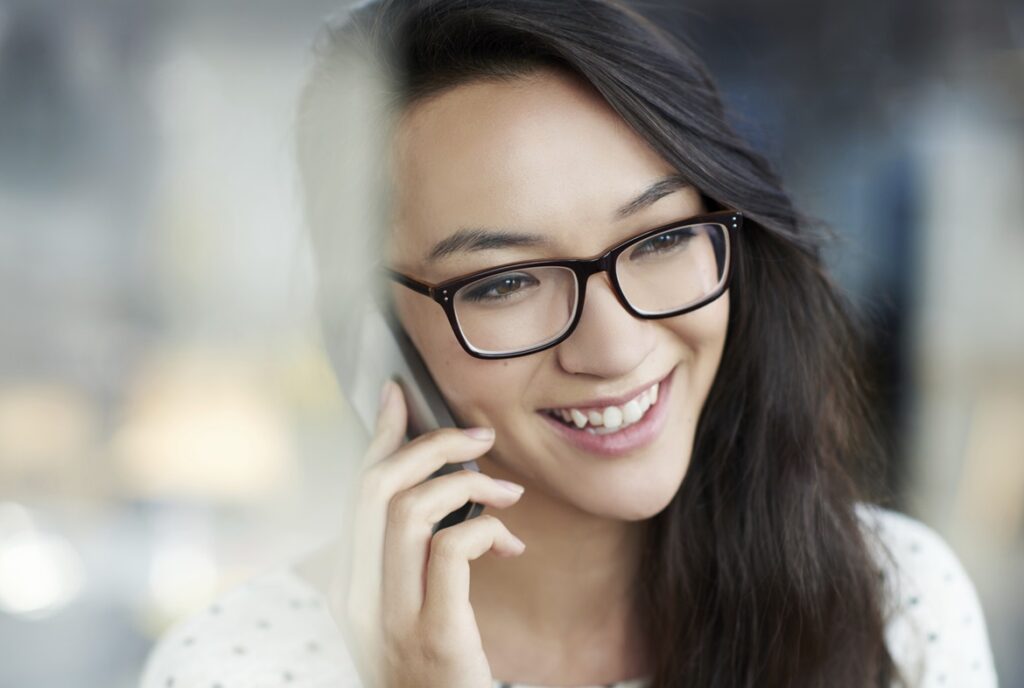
x=935, y=627
x=272, y=630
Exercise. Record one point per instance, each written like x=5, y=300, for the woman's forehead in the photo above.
x=543, y=154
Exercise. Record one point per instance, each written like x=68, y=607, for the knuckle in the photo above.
x=493, y=524
x=380, y=441
x=445, y=543
x=480, y=479
x=442, y=437
x=373, y=480
x=461, y=480
x=450, y=433
x=436, y=648
x=402, y=507
x=471, y=481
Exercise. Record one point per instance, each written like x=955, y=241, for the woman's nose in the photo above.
x=608, y=341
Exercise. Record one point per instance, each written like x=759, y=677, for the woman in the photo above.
x=668, y=468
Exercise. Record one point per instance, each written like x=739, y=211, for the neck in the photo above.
x=572, y=587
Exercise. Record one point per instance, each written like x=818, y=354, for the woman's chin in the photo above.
x=629, y=493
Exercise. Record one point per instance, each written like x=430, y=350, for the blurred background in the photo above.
x=169, y=424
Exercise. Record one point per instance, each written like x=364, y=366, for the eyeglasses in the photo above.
x=522, y=308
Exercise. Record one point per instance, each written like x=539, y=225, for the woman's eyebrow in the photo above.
x=480, y=239
x=469, y=239
x=660, y=188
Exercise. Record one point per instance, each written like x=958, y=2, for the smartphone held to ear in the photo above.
x=378, y=349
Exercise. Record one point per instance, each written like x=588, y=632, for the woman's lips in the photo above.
x=634, y=437
x=612, y=401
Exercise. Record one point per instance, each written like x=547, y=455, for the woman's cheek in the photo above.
x=480, y=392
x=703, y=331
x=449, y=365
x=468, y=384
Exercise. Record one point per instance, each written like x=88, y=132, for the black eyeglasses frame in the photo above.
x=443, y=293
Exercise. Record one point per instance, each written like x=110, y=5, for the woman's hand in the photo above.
x=401, y=594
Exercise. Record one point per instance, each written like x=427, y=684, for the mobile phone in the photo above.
x=371, y=347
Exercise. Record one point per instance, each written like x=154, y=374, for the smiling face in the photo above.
x=545, y=155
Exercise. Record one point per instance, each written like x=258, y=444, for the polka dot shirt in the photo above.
x=275, y=631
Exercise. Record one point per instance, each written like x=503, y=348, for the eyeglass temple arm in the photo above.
x=406, y=281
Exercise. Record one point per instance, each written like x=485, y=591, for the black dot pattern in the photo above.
x=275, y=630
x=936, y=630
x=270, y=631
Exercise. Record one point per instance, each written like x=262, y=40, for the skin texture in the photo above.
x=545, y=154
x=542, y=154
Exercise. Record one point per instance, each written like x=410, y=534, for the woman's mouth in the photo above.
x=608, y=419
x=615, y=429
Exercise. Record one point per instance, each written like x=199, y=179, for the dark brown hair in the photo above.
x=757, y=573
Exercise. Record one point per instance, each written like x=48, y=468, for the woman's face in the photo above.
x=545, y=155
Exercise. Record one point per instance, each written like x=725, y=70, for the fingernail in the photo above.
x=385, y=394
x=511, y=486
x=480, y=433
x=522, y=545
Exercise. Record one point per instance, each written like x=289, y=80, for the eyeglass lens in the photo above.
x=527, y=307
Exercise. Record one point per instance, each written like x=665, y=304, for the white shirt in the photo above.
x=275, y=629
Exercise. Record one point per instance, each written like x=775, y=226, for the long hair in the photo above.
x=757, y=573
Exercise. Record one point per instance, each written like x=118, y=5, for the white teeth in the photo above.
x=612, y=417
x=631, y=411
x=578, y=418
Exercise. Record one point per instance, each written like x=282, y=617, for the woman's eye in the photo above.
x=501, y=288
x=663, y=243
